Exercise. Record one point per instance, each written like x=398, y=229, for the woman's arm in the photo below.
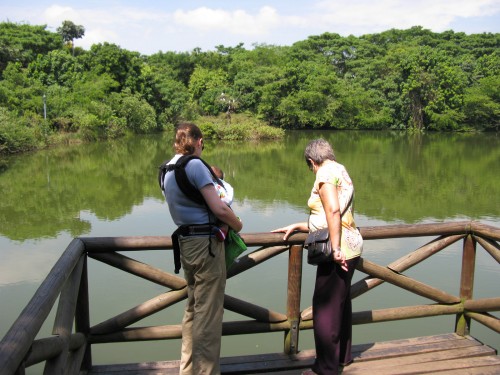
x=330, y=200
x=289, y=229
x=219, y=208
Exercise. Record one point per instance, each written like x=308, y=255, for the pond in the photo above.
x=111, y=189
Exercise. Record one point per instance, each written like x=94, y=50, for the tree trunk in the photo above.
x=416, y=113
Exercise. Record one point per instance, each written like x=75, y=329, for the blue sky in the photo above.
x=149, y=26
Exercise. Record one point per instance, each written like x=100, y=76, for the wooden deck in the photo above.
x=66, y=291
x=442, y=354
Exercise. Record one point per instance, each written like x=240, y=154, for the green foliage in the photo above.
x=138, y=114
x=69, y=31
x=237, y=127
x=14, y=135
x=22, y=43
x=446, y=120
x=55, y=68
x=411, y=79
x=19, y=93
x=482, y=104
x=121, y=65
x=203, y=80
x=179, y=66
x=166, y=95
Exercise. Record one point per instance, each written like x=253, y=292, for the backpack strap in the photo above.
x=189, y=191
x=182, y=179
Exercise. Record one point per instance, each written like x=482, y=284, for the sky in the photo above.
x=150, y=26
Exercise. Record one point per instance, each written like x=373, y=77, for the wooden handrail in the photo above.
x=18, y=340
x=68, y=281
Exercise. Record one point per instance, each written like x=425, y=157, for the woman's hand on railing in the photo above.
x=289, y=229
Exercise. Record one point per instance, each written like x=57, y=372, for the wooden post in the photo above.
x=18, y=340
x=293, y=299
x=462, y=325
x=82, y=315
x=63, y=323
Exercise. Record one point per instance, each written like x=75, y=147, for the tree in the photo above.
x=22, y=43
x=205, y=87
x=69, y=31
x=123, y=66
x=482, y=104
x=165, y=94
x=431, y=88
x=56, y=67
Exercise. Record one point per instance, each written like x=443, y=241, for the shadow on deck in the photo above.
x=442, y=354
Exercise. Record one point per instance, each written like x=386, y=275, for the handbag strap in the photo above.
x=348, y=204
x=341, y=214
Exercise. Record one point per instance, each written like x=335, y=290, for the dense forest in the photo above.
x=411, y=79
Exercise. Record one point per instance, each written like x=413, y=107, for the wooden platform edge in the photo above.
x=429, y=354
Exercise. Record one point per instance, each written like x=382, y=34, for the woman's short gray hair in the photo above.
x=318, y=150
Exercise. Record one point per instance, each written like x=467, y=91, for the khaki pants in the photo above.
x=202, y=323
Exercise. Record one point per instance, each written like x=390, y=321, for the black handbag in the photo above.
x=318, y=245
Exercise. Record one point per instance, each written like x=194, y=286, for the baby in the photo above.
x=226, y=194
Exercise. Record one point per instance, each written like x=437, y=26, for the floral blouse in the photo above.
x=334, y=173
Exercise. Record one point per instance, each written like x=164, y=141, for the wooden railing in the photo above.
x=69, y=349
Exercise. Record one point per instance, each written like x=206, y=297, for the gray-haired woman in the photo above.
x=332, y=193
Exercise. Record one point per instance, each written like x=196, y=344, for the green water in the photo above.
x=110, y=189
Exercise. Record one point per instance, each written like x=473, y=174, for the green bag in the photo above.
x=234, y=247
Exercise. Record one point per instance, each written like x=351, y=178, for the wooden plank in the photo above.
x=490, y=370
x=406, y=356
x=138, y=368
x=407, y=342
x=468, y=352
x=405, y=350
x=304, y=355
x=267, y=363
x=458, y=365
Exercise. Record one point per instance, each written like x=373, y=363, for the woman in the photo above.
x=332, y=311
x=201, y=255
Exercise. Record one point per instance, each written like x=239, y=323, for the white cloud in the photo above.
x=57, y=14
x=359, y=16
x=175, y=25
x=238, y=22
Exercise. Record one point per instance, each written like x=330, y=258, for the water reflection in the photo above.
x=110, y=189
x=398, y=178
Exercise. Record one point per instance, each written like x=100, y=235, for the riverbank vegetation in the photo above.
x=411, y=79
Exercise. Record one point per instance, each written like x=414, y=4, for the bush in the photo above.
x=139, y=115
x=237, y=127
x=14, y=135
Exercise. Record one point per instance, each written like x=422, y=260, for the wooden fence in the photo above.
x=69, y=348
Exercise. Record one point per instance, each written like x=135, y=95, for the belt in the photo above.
x=189, y=230
x=197, y=229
